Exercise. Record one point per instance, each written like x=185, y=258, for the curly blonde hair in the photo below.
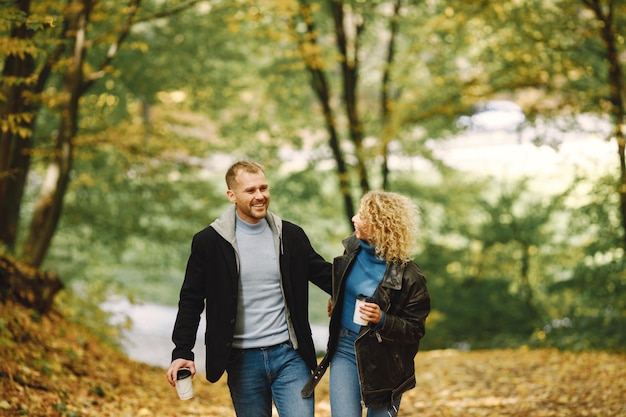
x=392, y=224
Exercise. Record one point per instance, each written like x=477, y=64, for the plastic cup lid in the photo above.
x=183, y=373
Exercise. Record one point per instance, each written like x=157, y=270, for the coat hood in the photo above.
x=225, y=224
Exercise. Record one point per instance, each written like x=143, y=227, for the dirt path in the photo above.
x=52, y=368
x=500, y=383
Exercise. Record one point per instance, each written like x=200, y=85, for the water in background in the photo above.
x=149, y=339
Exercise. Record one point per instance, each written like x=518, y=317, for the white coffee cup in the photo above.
x=184, y=386
x=360, y=300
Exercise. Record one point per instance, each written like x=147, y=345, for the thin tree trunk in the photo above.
x=321, y=88
x=17, y=118
x=616, y=84
x=349, y=50
x=50, y=201
x=388, y=129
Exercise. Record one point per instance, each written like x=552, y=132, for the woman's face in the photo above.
x=360, y=228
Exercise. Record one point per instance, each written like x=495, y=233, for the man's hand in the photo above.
x=175, y=366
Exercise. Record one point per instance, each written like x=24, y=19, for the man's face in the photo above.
x=251, y=196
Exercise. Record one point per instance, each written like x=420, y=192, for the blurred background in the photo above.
x=504, y=122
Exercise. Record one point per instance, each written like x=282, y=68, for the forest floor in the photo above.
x=51, y=367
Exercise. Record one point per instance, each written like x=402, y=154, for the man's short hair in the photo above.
x=246, y=166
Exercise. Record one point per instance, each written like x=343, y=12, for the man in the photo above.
x=252, y=269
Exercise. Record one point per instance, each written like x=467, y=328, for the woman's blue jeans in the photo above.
x=345, y=388
x=256, y=377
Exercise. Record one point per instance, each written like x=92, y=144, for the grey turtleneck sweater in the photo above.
x=261, y=317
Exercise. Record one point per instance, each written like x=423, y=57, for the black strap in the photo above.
x=318, y=373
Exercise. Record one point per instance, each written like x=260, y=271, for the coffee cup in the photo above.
x=360, y=300
x=184, y=387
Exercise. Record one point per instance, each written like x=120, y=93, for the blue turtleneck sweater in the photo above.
x=363, y=278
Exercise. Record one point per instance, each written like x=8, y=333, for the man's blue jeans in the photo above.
x=345, y=388
x=258, y=376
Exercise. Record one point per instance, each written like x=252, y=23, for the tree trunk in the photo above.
x=349, y=50
x=17, y=120
x=620, y=135
x=388, y=128
x=320, y=86
x=616, y=83
x=50, y=201
x=28, y=286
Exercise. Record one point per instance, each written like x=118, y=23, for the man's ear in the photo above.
x=231, y=196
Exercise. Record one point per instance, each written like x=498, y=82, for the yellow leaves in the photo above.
x=17, y=124
x=19, y=118
x=311, y=53
x=18, y=47
x=139, y=46
x=517, y=383
x=144, y=412
x=233, y=26
x=51, y=367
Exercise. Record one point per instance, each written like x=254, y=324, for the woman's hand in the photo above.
x=371, y=312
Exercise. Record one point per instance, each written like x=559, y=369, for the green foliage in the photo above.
x=587, y=309
x=80, y=303
x=478, y=314
x=129, y=219
x=308, y=198
x=507, y=265
x=317, y=208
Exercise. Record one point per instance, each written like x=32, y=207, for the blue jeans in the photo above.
x=258, y=376
x=345, y=388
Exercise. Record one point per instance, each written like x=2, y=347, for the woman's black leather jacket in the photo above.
x=385, y=354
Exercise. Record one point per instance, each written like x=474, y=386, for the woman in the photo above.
x=373, y=364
